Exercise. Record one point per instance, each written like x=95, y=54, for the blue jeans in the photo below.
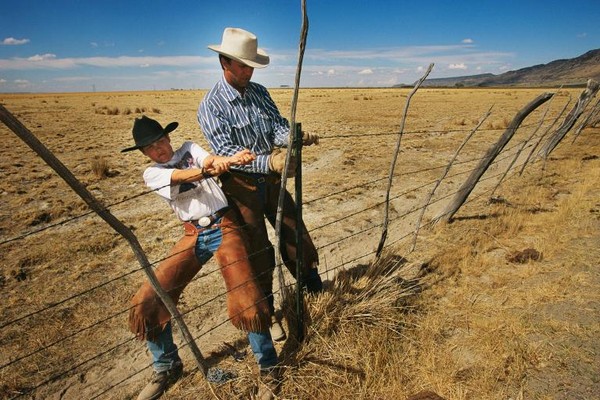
x=164, y=350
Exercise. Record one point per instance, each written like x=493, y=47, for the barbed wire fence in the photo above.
x=26, y=369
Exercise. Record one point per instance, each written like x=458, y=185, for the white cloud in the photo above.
x=367, y=71
x=50, y=61
x=331, y=72
x=582, y=35
x=2, y=80
x=42, y=57
x=10, y=41
x=457, y=66
x=468, y=41
x=145, y=65
x=21, y=81
x=93, y=44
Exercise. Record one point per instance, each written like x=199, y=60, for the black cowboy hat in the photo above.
x=147, y=131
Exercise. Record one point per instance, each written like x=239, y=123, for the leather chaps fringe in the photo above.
x=247, y=307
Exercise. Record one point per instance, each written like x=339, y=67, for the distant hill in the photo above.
x=567, y=73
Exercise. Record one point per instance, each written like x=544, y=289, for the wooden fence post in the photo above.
x=589, y=120
x=439, y=181
x=386, y=218
x=586, y=96
x=29, y=138
x=492, y=153
x=542, y=136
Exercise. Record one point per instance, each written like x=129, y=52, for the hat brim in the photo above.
x=260, y=61
x=168, y=129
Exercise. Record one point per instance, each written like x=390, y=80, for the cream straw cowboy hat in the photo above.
x=242, y=46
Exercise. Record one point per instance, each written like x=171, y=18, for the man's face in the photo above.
x=159, y=151
x=237, y=74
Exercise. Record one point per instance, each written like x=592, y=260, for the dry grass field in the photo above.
x=462, y=316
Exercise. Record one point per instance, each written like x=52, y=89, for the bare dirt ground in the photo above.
x=484, y=327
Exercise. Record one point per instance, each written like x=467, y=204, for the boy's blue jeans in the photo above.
x=164, y=350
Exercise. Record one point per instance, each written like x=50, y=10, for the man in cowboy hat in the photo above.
x=238, y=113
x=185, y=179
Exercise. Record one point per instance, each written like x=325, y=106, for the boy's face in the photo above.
x=159, y=151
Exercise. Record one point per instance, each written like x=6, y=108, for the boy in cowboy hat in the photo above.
x=185, y=179
x=238, y=113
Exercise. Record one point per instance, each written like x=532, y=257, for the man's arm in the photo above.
x=217, y=130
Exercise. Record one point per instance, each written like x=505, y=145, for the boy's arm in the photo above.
x=211, y=166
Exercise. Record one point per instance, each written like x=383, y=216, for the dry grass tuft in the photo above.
x=100, y=167
x=105, y=110
x=351, y=348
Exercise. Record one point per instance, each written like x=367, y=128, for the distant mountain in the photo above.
x=567, y=73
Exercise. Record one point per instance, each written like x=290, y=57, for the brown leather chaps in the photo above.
x=254, y=206
x=247, y=307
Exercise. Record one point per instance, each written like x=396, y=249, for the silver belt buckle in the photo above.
x=204, y=222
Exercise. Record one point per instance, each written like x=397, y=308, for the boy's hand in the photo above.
x=217, y=165
x=243, y=157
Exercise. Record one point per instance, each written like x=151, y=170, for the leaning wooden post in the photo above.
x=29, y=138
x=492, y=153
x=586, y=96
x=439, y=181
x=393, y=164
x=542, y=136
x=592, y=115
x=518, y=153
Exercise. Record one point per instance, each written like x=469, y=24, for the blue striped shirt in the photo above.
x=232, y=122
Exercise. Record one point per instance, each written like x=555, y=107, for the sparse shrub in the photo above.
x=100, y=167
x=105, y=110
x=156, y=110
x=503, y=124
x=126, y=111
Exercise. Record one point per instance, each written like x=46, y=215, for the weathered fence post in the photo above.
x=542, y=136
x=291, y=138
x=492, y=153
x=299, y=235
x=586, y=96
x=29, y=138
x=394, y=158
x=439, y=181
x=518, y=153
x=588, y=121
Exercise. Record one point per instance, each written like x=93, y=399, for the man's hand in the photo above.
x=277, y=162
x=309, y=138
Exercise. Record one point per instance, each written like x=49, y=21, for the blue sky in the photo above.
x=70, y=45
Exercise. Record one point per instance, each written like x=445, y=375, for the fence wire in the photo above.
x=366, y=231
